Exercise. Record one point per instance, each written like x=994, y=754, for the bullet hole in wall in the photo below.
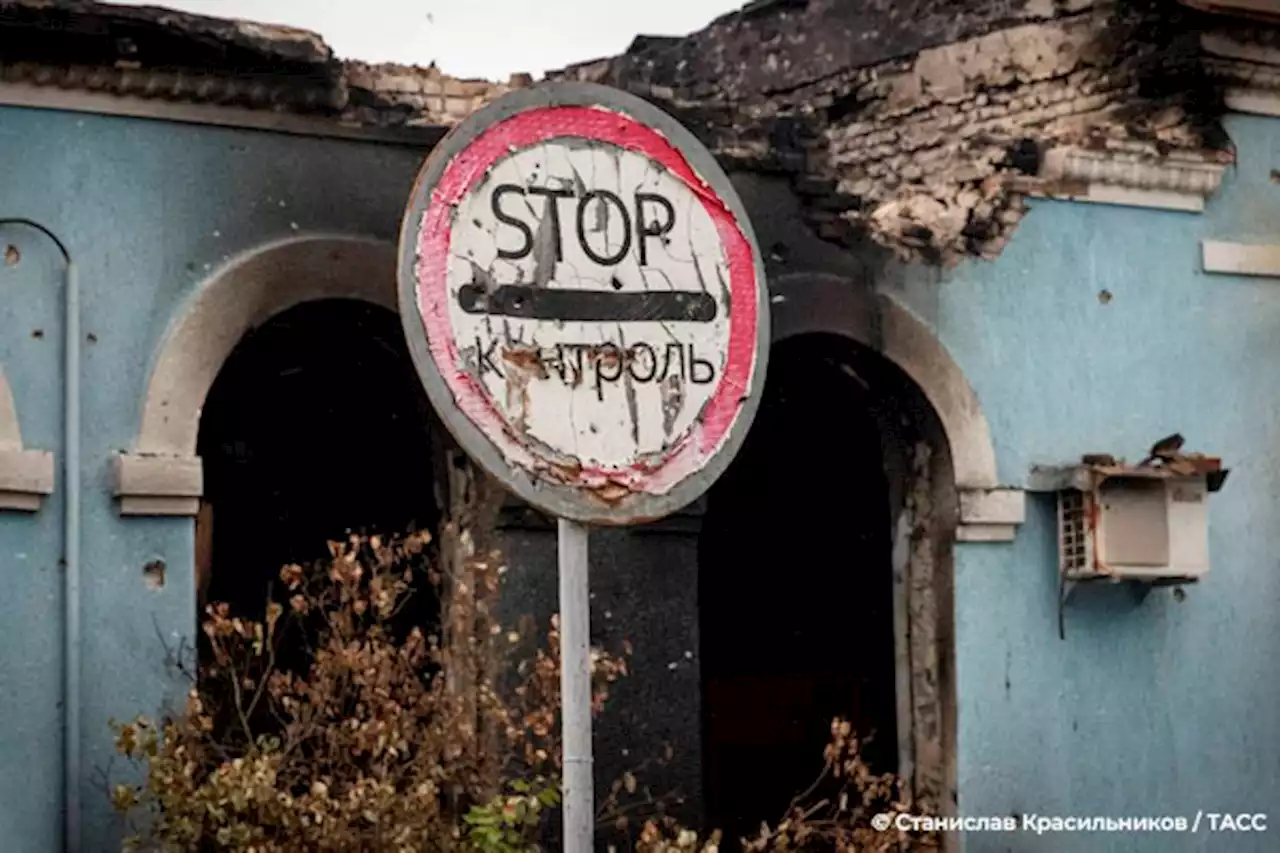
x=153, y=573
x=1104, y=296
x=11, y=255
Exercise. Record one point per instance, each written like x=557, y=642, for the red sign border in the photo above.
x=467, y=168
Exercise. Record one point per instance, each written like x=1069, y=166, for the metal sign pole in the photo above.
x=575, y=687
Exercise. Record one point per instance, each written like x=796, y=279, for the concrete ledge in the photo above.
x=26, y=477
x=991, y=515
x=1132, y=197
x=1256, y=101
x=1241, y=258
x=159, y=485
x=986, y=533
x=1246, y=64
x=25, y=94
x=1128, y=178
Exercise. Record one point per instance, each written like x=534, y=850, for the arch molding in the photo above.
x=162, y=475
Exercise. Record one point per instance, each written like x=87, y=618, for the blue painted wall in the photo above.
x=1163, y=707
x=148, y=209
x=31, y=545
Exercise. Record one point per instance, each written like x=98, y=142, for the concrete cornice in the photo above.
x=1246, y=63
x=1128, y=178
x=159, y=485
x=35, y=96
x=991, y=515
x=26, y=475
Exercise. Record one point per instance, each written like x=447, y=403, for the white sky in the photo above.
x=472, y=38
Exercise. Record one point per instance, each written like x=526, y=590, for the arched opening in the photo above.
x=316, y=426
x=805, y=580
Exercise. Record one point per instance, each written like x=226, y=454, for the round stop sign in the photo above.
x=584, y=299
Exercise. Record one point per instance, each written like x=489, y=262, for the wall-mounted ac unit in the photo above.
x=1147, y=523
x=1134, y=524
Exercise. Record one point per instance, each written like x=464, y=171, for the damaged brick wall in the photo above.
x=419, y=96
x=921, y=123
x=924, y=124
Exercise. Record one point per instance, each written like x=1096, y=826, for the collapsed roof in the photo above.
x=924, y=124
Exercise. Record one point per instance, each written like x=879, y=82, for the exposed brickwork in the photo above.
x=924, y=124
x=921, y=123
x=417, y=95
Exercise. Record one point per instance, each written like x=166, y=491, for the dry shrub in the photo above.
x=388, y=740
x=834, y=814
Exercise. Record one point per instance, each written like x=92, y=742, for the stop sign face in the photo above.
x=585, y=302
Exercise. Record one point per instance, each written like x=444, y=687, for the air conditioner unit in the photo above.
x=1145, y=524
x=1134, y=525
x=1121, y=522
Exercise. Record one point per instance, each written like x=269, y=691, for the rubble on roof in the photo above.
x=81, y=21
x=412, y=95
x=151, y=52
x=926, y=123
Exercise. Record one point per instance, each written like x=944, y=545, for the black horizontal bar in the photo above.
x=545, y=303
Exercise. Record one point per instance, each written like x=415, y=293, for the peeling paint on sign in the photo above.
x=591, y=304
x=594, y=275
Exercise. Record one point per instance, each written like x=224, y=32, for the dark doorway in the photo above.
x=316, y=426
x=796, y=589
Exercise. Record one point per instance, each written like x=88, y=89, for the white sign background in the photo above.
x=581, y=403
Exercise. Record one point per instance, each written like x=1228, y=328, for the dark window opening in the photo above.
x=796, y=591
x=316, y=427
